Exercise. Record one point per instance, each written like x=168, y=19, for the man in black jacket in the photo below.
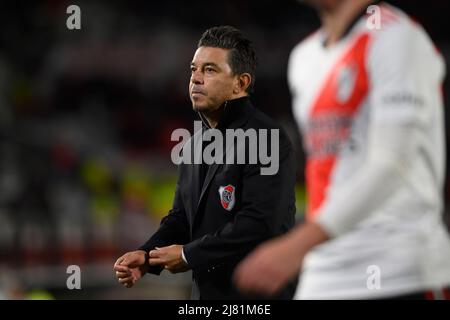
x=225, y=208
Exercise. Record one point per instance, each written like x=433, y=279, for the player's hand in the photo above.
x=169, y=257
x=268, y=268
x=131, y=267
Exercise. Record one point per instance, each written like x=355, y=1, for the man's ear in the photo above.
x=243, y=82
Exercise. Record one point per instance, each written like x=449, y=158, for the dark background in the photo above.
x=85, y=123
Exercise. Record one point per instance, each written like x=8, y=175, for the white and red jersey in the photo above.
x=370, y=109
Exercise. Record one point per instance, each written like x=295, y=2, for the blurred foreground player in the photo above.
x=221, y=211
x=370, y=108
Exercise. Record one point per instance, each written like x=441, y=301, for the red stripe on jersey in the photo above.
x=446, y=292
x=429, y=295
x=330, y=104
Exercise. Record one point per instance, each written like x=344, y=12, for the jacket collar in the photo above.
x=235, y=113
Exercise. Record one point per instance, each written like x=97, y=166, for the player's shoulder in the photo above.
x=394, y=25
x=307, y=46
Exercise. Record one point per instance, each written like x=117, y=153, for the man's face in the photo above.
x=212, y=80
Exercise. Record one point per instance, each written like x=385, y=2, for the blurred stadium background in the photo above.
x=85, y=123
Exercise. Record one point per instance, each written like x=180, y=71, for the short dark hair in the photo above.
x=242, y=57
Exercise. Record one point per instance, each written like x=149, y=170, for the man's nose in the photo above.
x=197, y=77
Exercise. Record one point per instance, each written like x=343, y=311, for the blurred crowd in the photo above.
x=86, y=116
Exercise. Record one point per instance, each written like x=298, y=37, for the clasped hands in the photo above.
x=133, y=265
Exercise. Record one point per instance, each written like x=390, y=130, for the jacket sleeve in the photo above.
x=267, y=207
x=174, y=229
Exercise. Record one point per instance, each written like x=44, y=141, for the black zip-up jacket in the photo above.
x=224, y=215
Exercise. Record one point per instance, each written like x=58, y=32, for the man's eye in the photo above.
x=209, y=70
x=192, y=69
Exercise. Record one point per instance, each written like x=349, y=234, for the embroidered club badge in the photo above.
x=227, y=197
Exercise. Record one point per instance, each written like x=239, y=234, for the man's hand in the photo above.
x=271, y=265
x=131, y=267
x=169, y=257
